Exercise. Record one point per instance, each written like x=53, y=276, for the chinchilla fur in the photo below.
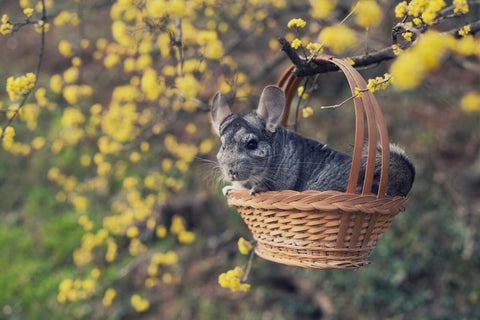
x=260, y=155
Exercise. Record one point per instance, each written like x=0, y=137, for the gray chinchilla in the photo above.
x=260, y=155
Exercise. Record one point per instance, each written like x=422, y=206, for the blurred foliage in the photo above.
x=110, y=203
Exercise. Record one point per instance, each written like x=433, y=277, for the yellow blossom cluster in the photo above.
x=465, y=30
x=321, y=9
x=66, y=18
x=20, y=86
x=139, y=304
x=108, y=297
x=244, y=246
x=471, y=102
x=461, y=6
x=427, y=10
x=74, y=290
x=178, y=228
x=296, y=43
x=160, y=260
x=84, y=255
x=6, y=27
x=367, y=13
x=338, y=38
x=413, y=64
x=296, y=23
x=307, y=112
x=231, y=279
x=379, y=83
x=302, y=92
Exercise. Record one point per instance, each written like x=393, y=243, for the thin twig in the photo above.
x=37, y=73
x=249, y=265
x=343, y=102
x=178, y=43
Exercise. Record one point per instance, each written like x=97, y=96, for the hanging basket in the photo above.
x=326, y=229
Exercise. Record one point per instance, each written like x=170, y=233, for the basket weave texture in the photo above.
x=305, y=229
x=326, y=229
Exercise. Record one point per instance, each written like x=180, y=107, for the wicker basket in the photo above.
x=326, y=229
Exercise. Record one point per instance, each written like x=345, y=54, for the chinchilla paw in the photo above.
x=227, y=189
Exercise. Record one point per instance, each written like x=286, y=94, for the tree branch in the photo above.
x=304, y=69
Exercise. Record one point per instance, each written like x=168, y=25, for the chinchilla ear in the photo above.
x=271, y=106
x=220, y=110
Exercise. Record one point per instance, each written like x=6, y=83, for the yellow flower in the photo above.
x=5, y=19
x=471, y=102
x=150, y=85
x=144, y=146
x=367, y=13
x=71, y=74
x=231, y=279
x=186, y=237
x=56, y=83
x=407, y=36
x=161, y=231
x=111, y=60
x=151, y=282
x=84, y=43
x=6, y=27
x=167, y=278
x=413, y=65
x=396, y=50
x=28, y=12
x=65, y=48
x=358, y=92
x=314, y=48
x=95, y=273
x=8, y=135
x=298, y=23
x=177, y=225
x=139, y=304
x=322, y=9
x=379, y=83
x=20, y=86
x=108, y=297
x=302, y=92
x=42, y=26
x=132, y=232
x=66, y=18
x=417, y=21
x=349, y=61
x=464, y=31
x=38, y=143
x=244, y=246
x=338, y=38
x=460, y=6
x=401, y=9
x=296, y=43
x=130, y=182
x=307, y=112
x=188, y=85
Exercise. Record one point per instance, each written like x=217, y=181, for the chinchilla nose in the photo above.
x=233, y=174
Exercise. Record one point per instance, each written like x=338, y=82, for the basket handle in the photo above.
x=367, y=105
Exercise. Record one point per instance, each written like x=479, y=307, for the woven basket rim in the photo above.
x=311, y=200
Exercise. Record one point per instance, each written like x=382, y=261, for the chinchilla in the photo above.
x=260, y=155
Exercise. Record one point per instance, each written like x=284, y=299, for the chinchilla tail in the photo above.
x=401, y=171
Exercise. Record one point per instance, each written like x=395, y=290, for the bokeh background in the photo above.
x=110, y=201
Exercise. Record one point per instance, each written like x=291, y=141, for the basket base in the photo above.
x=314, y=257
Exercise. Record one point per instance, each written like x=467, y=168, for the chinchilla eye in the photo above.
x=252, y=144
